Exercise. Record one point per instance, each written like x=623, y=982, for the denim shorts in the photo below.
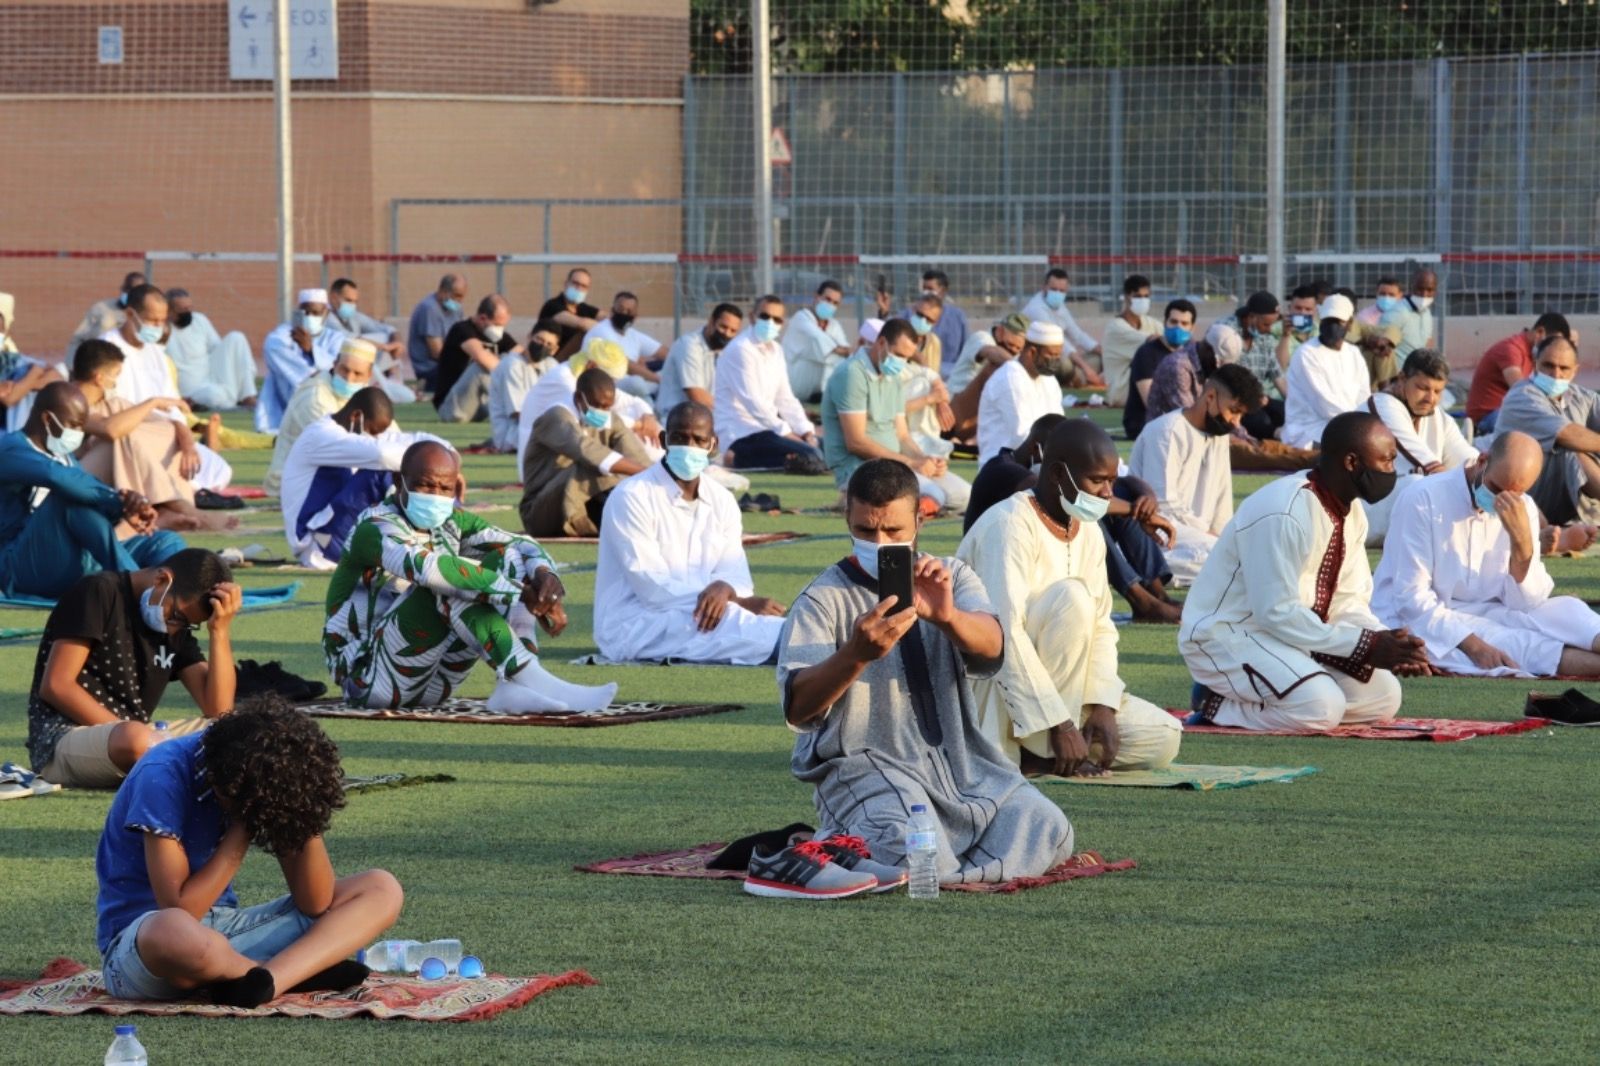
x=257, y=933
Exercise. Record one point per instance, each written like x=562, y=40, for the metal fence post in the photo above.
x=693, y=218
x=901, y=178
x=1443, y=180
x=761, y=104
x=1524, y=207
x=1344, y=205
x=1277, y=51
x=1118, y=220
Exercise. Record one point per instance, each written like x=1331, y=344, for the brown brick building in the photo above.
x=454, y=99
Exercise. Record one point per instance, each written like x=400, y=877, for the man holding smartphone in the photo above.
x=880, y=700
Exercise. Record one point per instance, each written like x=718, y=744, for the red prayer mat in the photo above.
x=1441, y=730
x=691, y=862
x=476, y=712
x=244, y=492
x=68, y=987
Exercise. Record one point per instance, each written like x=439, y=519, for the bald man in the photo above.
x=1461, y=570
x=1278, y=630
x=59, y=523
x=1564, y=417
x=1057, y=704
x=472, y=349
x=425, y=588
x=339, y=466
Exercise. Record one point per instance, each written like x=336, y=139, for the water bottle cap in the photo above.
x=917, y=808
x=161, y=725
x=125, y=1030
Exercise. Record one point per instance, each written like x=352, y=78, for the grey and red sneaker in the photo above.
x=805, y=871
x=853, y=854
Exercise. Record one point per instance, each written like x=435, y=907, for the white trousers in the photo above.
x=215, y=473
x=807, y=378
x=947, y=490
x=1534, y=639
x=1060, y=624
x=231, y=375
x=1188, y=554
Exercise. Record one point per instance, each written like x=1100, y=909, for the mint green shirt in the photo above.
x=856, y=388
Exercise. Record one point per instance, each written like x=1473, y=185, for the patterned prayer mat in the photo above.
x=1192, y=776
x=600, y=660
x=1441, y=730
x=380, y=782
x=691, y=862
x=68, y=987
x=474, y=711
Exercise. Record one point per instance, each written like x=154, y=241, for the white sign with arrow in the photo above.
x=313, y=39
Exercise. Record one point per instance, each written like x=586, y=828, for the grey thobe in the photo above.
x=907, y=732
x=1527, y=409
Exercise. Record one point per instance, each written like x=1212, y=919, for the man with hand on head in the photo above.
x=112, y=644
x=575, y=457
x=877, y=692
x=1057, y=704
x=57, y=521
x=673, y=581
x=1461, y=569
x=425, y=587
x=318, y=396
x=1278, y=630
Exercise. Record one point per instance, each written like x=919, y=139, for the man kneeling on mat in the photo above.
x=885, y=716
x=170, y=926
x=425, y=588
x=112, y=644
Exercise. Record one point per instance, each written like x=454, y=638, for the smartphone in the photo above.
x=894, y=575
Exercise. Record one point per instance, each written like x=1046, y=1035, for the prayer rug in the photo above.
x=474, y=711
x=1193, y=776
x=244, y=492
x=1442, y=730
x=750, y=540
x=379, y=782
x=601, y=660
x=691, y=863
x=253, y=599
x=68, y=987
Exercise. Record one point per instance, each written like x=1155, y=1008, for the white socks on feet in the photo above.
x=538, y=685
x=511, y=698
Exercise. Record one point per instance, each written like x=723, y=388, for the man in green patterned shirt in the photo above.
x=425, y=589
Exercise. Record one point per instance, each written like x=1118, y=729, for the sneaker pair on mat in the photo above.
x=831, y=868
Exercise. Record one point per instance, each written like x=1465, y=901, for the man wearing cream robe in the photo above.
x=1057, y=697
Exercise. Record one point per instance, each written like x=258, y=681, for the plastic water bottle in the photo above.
x=126, y=1050
x=160, y=732
x=393, y=956
x=447, y=951
x=922, y=853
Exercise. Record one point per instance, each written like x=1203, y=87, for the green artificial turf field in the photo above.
x=1410, y=902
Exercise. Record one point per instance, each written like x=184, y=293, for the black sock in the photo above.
x=251, y=990
x=344, y=974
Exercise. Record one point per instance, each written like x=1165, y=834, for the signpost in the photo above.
x=313, y=39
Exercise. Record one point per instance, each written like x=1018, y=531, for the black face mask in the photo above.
x=1332, y=332
x=621, y=321
x=1216, y=426
x=716, y=342
x=182, y=319
x=1046, y=366
x=1374, y=485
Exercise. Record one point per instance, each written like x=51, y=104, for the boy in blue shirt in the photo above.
x=170, y=926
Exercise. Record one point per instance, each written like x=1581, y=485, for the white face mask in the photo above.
x=63, y=443
x=154, y=617
x=1422, y=303
x=1139, y=305
x=493, y=333
x=866, y=553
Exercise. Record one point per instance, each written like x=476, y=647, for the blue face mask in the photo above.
x=1388, y=303
x=574, y=295
x=921, y=325
x=596, y=418
x=1085, y=508
x=825, y=311
x=429, y=512
x=1054, y=299
x=453, y=306
x=1483, y=498
x=687, y=462
x=866, y=553
x=342, y=388
x=767, y=330
x=347, y=311
x=1176, y=336
x=1551, y=387
x=155, y=619
x=893, y=366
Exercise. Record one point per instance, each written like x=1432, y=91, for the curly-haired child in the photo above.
x=170, y=926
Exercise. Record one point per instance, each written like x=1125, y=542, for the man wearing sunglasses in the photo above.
x=757, y=415
x=112, y=644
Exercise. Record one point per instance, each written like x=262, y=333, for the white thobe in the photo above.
x=1322, y=382
x=1039, y=311
x=555, y=388
x=753, y=394
x=1011, y=403
x=509, y=383
x=326, y=443
x=147, y=372
x=1446, y=575
x=313, y=400
x=1192, y=476
x=287, y=367
x=636, y=345
x=1117, y=351
x=658, y=552
x=810, y=346
x=213, y=370
x=1250, y=631
x=1054, y=604
x=1421, y=441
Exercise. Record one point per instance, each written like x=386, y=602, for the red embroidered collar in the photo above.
x=1337, y=509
